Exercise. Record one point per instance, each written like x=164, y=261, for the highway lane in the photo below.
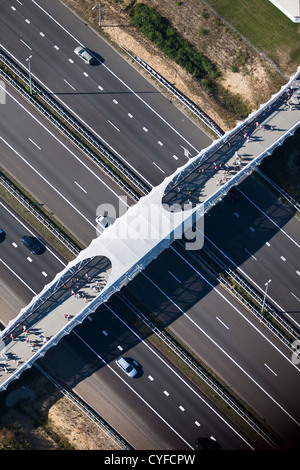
x=22, y=274
x=260, y=238
x=166, y=410
x=148, y=421
x=54, y=171
x=176, y=274
x=123, y=114
x=224, y=335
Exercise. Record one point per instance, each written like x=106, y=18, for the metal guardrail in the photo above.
x=78, y=128
x=95, y=418
x=281, y=191
x=290, y=329
x=195, y=368
x=38, y=216
x=184, y=99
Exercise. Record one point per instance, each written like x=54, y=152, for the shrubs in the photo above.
x=159, y=31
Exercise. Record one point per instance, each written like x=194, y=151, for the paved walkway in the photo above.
x=238, y=151
x=67, y=300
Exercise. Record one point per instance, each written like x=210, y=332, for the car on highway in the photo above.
x=102, y=220
x=2, y=235
x=32, y=244
x=207, y=443
x=84, y=54
x=126, y=367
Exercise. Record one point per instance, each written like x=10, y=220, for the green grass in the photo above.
x=264, y=26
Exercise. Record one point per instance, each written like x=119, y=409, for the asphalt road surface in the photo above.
x=112, y=99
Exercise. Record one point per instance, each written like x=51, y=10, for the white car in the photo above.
x=102, y=220
x=83, y=53
x=126, y=367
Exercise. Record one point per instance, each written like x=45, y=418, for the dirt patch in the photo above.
x=39, y=417
x=244, y=72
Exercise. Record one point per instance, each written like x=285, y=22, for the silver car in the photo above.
x=83, y=53
x=126, y=367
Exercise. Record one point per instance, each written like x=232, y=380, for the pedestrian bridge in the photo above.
x=138, y=236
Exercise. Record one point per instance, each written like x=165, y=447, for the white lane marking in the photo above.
x=132, y=389
x=71, y=61
x=175, y=157
x=174, y=277
x=150, y=378
x=295, y=296
x=100, y=88
x=113, y=125
x=82, y=189
x=166, y=393
x=145, y=129
x=27, y=21
x=36, y=145
x=227, y=327
x=268, y=244
x=115, y=101
x=268, y=367
x=197, y=423
x=25, y=44
x=283, y=258
x=130, y=115
x=44, y=274
x=160, y=143
x=216, y=344
x=18, y=277
x=120, y=198
x=29, y=259
x=158, y=167
x=250, y=254
x=248, y=277
x=44, y=179
x=85, y=74
x=181, y=408
x=42, y=34
x=56, y=47
x=269, y=218
x=179, y=378
x=28, y=230
x=69, y=84
x=118, y=78
x=13, y=8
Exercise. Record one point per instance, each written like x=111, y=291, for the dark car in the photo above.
x=207, y=443
x=32, y=244
x=2, y=235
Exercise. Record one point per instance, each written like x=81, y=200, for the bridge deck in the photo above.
x=274, y=121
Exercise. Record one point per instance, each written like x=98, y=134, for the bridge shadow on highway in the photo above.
x=168, y=277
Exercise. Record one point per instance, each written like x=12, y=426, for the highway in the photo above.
x=122, y=108
x=158, y=408
x=134, y=408
x=54, y=171
x=260, y=237
x=174, y=287
x=23, y=275
x=177, y=291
